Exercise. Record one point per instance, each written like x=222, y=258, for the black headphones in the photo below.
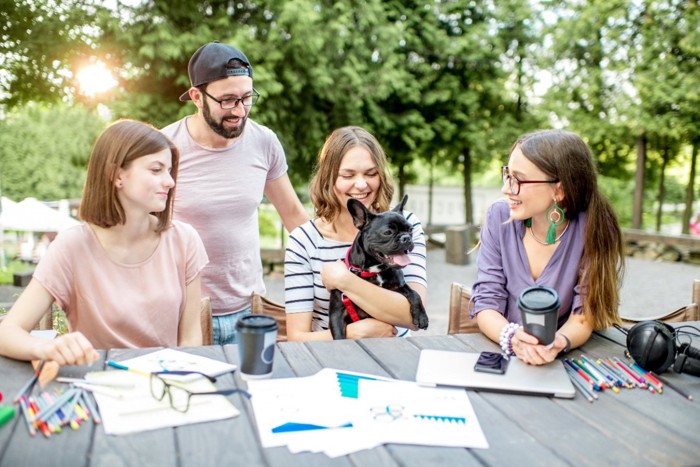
x=656, y=346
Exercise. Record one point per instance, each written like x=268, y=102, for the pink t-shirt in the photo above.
x=122, y=305
x=218, y=192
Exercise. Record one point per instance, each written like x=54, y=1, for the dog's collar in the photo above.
x=357, y=270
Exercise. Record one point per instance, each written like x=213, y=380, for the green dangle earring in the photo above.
x=555, y=216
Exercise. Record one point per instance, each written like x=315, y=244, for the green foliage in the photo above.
x=619, y=193
x=42, y=44
x=44, y=150
x=446, y=84
x=6, y=275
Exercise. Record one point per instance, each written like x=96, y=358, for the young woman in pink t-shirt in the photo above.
x=128, y=276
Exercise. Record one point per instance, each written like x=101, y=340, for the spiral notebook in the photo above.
x=446, y=368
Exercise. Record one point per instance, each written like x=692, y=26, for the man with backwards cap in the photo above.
x=227, y=164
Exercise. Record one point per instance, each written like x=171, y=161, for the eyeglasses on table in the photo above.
x=179, y=396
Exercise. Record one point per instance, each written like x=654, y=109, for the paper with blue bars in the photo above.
x=339, y=412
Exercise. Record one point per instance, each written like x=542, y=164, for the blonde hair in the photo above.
x=117, y=146
x=338, y=143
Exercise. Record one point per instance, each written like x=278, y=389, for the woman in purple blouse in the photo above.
x=554, y=228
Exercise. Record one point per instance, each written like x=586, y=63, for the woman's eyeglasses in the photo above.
x=514, y=183
x=178, y=396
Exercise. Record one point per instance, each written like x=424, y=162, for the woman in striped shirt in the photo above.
x=351, y=164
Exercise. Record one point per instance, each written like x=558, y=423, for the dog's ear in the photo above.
x=360, y=214
x=399, y=207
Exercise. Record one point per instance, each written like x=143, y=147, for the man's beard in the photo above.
x=218, y=127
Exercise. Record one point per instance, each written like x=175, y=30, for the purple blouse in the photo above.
x=503, y=270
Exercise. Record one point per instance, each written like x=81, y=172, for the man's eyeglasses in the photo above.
x=514, y=183
x=232, y=102
x=178, y=396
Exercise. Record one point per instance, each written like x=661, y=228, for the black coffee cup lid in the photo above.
x=260, y=322
x=538, y=299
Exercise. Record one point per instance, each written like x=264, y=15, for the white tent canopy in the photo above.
x=31, y=215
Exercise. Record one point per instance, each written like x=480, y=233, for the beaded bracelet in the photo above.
x=506, y=337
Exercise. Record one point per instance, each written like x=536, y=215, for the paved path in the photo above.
x=650, y=288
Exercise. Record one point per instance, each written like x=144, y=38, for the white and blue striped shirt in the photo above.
x=306, y=252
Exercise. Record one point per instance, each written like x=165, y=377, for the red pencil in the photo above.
x=582, y=374
x=631, y=373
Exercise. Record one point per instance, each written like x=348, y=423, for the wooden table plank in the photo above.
x=345, y=355
x=21, y=444
x=558, y=430
x=299, y=358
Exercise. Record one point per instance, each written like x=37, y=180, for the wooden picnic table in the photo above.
x=634, y=427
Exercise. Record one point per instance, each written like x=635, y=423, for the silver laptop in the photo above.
x=442, y=367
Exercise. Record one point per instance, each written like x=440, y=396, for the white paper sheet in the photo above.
x=138, y=411
x=403, y=412
x=340, y=406
x=176, y=360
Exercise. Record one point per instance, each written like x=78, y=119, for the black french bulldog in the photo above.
x=377, y=255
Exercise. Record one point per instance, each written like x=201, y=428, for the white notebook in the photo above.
x=176, y=360
x=446, y=368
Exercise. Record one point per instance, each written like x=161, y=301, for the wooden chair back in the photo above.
x=459, y=320
x=205, y=318
x=264, y=306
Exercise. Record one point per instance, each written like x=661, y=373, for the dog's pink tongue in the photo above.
x=400, y=260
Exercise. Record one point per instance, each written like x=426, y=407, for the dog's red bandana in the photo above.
x=362, y=273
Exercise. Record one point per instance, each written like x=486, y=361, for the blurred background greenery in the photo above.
x=445, y=85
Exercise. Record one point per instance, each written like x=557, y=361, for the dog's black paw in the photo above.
x=421, y=321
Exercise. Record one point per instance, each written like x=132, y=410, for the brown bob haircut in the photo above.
x=330, y=157
x=119, y=144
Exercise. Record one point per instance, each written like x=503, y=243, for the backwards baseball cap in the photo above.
x=209, y=63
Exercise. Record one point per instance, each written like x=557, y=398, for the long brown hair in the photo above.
x=565, y=156
x=338, y=143
x=117, y=146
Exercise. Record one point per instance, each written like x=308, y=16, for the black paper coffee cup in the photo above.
x=539, y=311
x=257, y=335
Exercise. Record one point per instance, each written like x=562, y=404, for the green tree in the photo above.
x=667, y=79
x=44, y=150
x=588, y=66
x=41, y=46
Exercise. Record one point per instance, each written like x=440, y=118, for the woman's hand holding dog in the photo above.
x=334, y=275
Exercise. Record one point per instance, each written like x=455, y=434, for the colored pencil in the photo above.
x=119, y=366
x=578, y=385
x=673, y=386
x=580, y=372
x=25, y=412
x=91, y=407
x=27, y=388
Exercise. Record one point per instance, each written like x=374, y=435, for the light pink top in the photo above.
x=218, y=192
x=122, y=305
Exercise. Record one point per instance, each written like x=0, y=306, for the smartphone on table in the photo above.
x=491, y=362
